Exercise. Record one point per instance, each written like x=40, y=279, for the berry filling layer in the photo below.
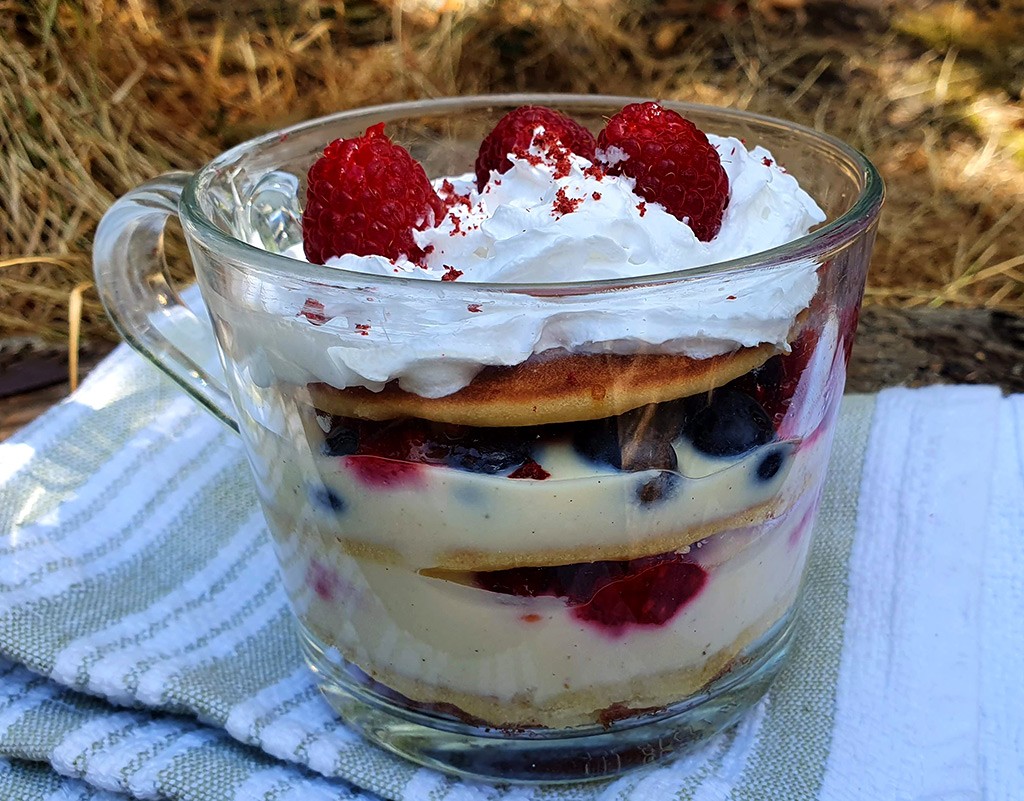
x=650, y=481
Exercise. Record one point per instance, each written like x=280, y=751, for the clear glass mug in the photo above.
x=571, y=567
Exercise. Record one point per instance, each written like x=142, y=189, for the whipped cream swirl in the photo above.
x=545, y=223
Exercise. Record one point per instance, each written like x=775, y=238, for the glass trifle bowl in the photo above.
x=531, y=529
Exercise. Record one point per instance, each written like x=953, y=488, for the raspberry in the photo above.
x=365, y=196
x=648, y=596
x=648, y=591
x=672, y=163
x=379, y=473
x=530, y=469
x=514, y=133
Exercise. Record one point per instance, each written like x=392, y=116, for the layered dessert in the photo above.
x=522, y=505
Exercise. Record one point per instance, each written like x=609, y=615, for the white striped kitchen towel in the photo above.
x=146, y=649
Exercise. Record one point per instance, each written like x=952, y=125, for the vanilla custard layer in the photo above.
x=513, y=660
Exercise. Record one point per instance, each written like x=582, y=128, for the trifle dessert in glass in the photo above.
x=538, y=394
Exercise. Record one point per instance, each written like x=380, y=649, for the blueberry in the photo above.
x=728, y=423
x=598, y=441
x=770, y=465
x=487, y=453
x=655, y=456
x=770, y=374
x=327, y=499
x=340, y=441
x=659, y=488
x=666, y=422
x=633, y=441
x=648, y=454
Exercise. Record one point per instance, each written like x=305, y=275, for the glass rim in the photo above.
x=829, y=238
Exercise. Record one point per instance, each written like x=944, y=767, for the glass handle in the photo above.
x=134, y=285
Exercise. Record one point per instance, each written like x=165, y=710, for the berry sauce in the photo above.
x=614, y=597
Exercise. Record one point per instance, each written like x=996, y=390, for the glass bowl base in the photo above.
x=543, y=756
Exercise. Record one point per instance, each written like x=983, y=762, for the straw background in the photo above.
x=98, y=95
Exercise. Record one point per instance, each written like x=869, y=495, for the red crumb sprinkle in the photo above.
x=556, y=152
x=536, y=161
x=313, y=310
x=530, y=469
x=532, y=617
x=767, y=162
x=457, y=225
x=450, y=273
x=731, y=297
x=642, y=208
x=594, y=171
x=564, y=204
x=474, y=308
x=363, y=329
x=562, y=165
x=596, y=195
x=452, y=198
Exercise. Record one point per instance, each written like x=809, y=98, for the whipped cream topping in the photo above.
x=547, y=222
x=542, y=222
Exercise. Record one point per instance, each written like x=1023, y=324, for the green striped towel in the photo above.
x=146, y=649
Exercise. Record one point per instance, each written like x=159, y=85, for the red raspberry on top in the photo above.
x=365, y=196
x=514, y=133
x=672, y=162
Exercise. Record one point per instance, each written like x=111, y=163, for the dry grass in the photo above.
x=98, y=95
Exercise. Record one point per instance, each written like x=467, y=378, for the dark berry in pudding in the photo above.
x=729, y=423
x=637, y=440
x=662, y=487
x=327, y=499
x=482, y=451
x=770, y=464
x=490, y=451
x=774, y=383
x=340, y=440
x=598, y=441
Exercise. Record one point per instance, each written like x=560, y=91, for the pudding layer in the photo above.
x=412, y=508
x=515, y=660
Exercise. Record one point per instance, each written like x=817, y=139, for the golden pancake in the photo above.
x=550, y=389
